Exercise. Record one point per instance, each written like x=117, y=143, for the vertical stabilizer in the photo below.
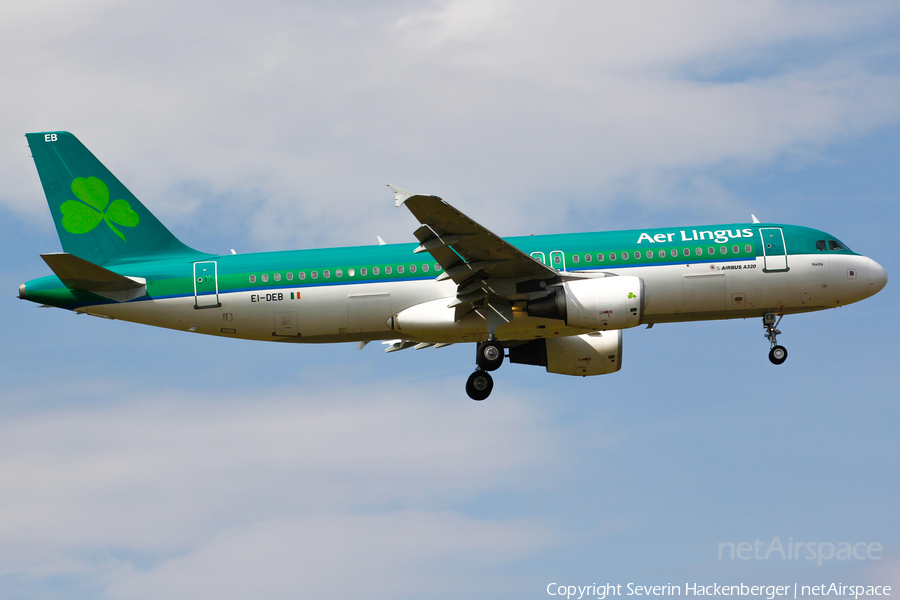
x=96, y=217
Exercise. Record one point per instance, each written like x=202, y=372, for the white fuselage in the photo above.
x=362, y=311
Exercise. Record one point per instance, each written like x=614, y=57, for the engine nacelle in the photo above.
x=588, y=354
x=435, y=321
x=599, y=304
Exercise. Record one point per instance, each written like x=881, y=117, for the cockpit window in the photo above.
x=820, y=244
x=834, y=245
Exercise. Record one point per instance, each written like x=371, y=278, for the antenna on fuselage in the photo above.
x=755, y=220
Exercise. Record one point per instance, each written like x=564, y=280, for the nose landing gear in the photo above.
x=777, y=354
x=488, y=357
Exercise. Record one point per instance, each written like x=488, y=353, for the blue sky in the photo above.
x=141, y=463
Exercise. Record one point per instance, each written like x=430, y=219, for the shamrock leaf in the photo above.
x=82, y=218
x=120, y=212
x=79, y=218
x=92, y=191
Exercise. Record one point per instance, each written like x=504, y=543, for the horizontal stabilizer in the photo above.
x=79, y=274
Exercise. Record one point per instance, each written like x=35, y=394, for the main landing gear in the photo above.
x=488, y=357
x=777, y=354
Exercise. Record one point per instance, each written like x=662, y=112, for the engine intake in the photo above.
x=597, y=304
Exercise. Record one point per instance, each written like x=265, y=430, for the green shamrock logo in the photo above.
x=81, y=217
x=631, y=295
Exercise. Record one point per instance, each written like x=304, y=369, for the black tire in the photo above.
x=479, y=385
x=489, y=356
x=778, y=355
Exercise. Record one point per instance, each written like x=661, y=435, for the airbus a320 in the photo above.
x=556, y=301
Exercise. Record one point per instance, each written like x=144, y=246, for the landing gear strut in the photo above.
x=777, y=354
x=488, y=357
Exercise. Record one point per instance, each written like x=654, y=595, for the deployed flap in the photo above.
x=464, y=248
x=79, y=274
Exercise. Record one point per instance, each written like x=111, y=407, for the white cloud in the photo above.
x=288, y=117
x=295, y=488
x=401, y=554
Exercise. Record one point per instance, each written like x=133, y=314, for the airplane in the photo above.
x=556, y=301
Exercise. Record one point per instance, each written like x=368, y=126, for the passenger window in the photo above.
x=363, y=271
x=376, y=271
x=351, y=272
x=637, y=255
x=599, y=258
x=820, y=244
x=587, y=258
x=710, y=250
x=315, y=274
x=277, y=276
x=326, y=273
x=437, y=267
x=686, y=251
x=649, y=253
x=399, y=268
x=575, y=258
x=412, y=268
x=735, y=249
x=624, y=256
x=253, y=279
x=339, y=273
x=833, y=245
x=302, y=275
x=290, y=276
x=612, y=256
x=723, y=250
x=698, y=251
x=387, y=270
x=748, y=248
x=265, y=277
x=674, y=253
x=425, y=268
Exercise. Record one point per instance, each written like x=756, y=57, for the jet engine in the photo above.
x=599, y=304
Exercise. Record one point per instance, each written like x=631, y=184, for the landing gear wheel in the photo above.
x=489, y=355
x=778, y=354
x=479, y=385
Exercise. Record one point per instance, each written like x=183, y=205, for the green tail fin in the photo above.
x=97, y=218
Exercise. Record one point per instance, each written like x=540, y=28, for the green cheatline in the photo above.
x=82, y=217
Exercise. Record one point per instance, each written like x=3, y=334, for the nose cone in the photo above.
x=877, y=277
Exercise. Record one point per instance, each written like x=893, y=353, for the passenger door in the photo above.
x=206, y=286
x=774, y=250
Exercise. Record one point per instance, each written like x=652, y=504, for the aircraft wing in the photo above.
x=487, y=270
x=464, y=248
